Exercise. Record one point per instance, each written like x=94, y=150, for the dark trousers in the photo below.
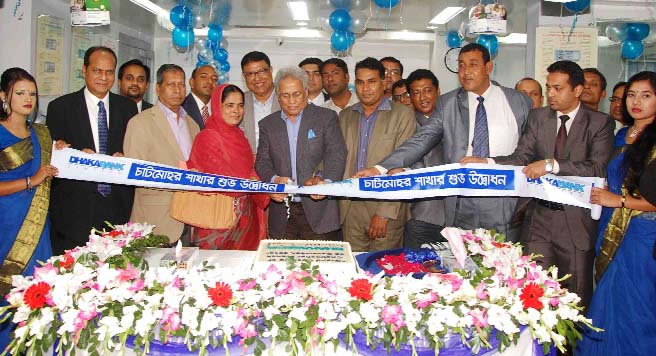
x=417, y=233
x=298, y=228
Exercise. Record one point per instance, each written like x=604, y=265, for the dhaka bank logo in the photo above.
x=90, y=162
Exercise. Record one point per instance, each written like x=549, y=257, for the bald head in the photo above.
x=533, y=89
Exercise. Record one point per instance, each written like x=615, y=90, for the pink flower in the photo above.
x=479, y=317
x=549, y=283
x=246, y=284
x=41, y=272
x=170, y=319
x=426, y=300
x=393, y=315
x=480, y=291
x=515, y=283
x=331, y=286
x=130, y=272
x=137, y=285
x=455, y=281
x=282, y=289
x=554, y=302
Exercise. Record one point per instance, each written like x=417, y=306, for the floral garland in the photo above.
x=96, y=297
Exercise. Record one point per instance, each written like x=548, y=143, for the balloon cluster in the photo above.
x=491, y=42
x=577, y=6
x=632, y=36
x=347, y=20
x=214, y=14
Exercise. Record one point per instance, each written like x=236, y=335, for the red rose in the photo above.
x=530, y=296
x=35, y=295
x=361, y=289
x=221, y=294
x=67, y=262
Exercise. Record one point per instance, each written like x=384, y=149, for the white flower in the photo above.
x=327, y=311
x=190, y=316
x=353, y=318
x=333, y=328
x=542, y=334
x=145, y=323
x=369, y=313
x=298, y=313
x=38, y=326
x=549, y=318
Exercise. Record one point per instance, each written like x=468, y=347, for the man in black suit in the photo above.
x=92, y=120
x=133, y=80
x=197, y=104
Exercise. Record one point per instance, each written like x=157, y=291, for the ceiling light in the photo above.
x=446, y=15
x=150, y=6
x=299, y=10
x=302, y=24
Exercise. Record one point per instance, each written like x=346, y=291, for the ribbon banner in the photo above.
x=447, y=180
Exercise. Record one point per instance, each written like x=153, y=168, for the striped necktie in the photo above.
x=481, y=141
x=103, y=133
x=205, y=113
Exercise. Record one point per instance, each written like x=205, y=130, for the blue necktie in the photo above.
x=481, y=141
x=103, y=132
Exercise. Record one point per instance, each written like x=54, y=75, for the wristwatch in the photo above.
x=548, y=165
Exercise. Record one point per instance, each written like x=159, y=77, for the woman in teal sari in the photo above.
x=624, y=303
x=25, y=150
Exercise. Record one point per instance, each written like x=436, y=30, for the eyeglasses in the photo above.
x=613, y=99
x=401, y=96
x=251, y=75
x=392, y=72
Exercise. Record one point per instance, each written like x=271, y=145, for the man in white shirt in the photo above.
x=496, y=114
x=335, y=78
x=133, y=82
x=312, y=66
x=259, y=100
x=197, y=104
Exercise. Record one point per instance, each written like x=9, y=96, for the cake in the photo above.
x=333, y=257
x=182, y=257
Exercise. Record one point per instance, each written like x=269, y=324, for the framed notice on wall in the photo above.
x=49, y=51
x=556, y=43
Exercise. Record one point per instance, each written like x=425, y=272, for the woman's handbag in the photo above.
x=207, y=211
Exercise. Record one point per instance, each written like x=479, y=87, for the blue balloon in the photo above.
x=201, y=63
x=341, y=4
x=350, y=38
x=340, y=19
x=205, y=55
x=182, y=17
x=182, y=38
x=490, y=42
x=212, y=46
x=453, y=39
x=632, y=49
x=637, y=31
x=339, y=41
x=225, y=66
x=215, y=33
x=221, y=55
x=386, y=4
x=577, y=5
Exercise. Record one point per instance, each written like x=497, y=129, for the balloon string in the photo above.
x=621, y=75
x=401, y=13
x=571, y=29
x=389, y=15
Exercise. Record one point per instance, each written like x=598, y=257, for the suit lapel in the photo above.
x=302, y=142
x=282, y=138
x=463, y=108
x=163, y=126
x=575, y=135
x=550, y=133
x=84, y=122
x=115, y=126
x=380, y=128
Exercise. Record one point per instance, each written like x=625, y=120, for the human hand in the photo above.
x=89, y=151
x=603, y=197
x=42, y=174
x=316, y=180
x=278, y=197
x=61, y=144
x=536, y=169
x=282, y=180
x=394, y=171
x=118, y=154
x=472, y=159
x=367, y=172
x=377, y=227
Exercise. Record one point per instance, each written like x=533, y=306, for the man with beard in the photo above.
x=197, y=104
x=133, y=80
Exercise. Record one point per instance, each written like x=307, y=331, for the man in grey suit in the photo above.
x=301, y=143
x=567, y=139
x=479, y=116
x=427, y=215
x=259, y=100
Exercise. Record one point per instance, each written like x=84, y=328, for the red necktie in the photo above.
x=561, y=138
x=205, y=114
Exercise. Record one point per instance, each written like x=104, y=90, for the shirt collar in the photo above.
x=385, y=105
x=284, y=116
x=571, y=114
x=485, y=95
x=94, y=99
x=169, y=113
x=199, y=102
x=268, y=102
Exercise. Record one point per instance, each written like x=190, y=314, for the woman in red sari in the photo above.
x=222, y=148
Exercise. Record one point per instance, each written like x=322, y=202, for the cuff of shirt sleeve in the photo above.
x=556, y=167
x=381, y=169
x=273, y=179
x=490, y=161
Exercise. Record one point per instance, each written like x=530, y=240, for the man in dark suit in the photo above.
x=133, y=81
x=301, y=143
x=567, y=139
x=197, y=104
x=479, y=116
x=92, y=120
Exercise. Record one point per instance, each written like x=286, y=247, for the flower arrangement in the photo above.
x=96, y=297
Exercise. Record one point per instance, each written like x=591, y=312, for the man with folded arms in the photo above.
x=568, y=139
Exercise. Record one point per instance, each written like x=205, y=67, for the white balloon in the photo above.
x=358, y=22
x=651, y=37
x=617, y=32
x=224, y=43
x=360, y=4
x=199, y=44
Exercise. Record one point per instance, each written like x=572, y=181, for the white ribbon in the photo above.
x=446, y=180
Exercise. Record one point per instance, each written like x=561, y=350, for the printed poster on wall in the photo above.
x=89, y=12
x=49, y=50
x=556, y=43
x=81, y=39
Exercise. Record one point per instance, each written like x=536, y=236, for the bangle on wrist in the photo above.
x=28, y=183
x=623, y=201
